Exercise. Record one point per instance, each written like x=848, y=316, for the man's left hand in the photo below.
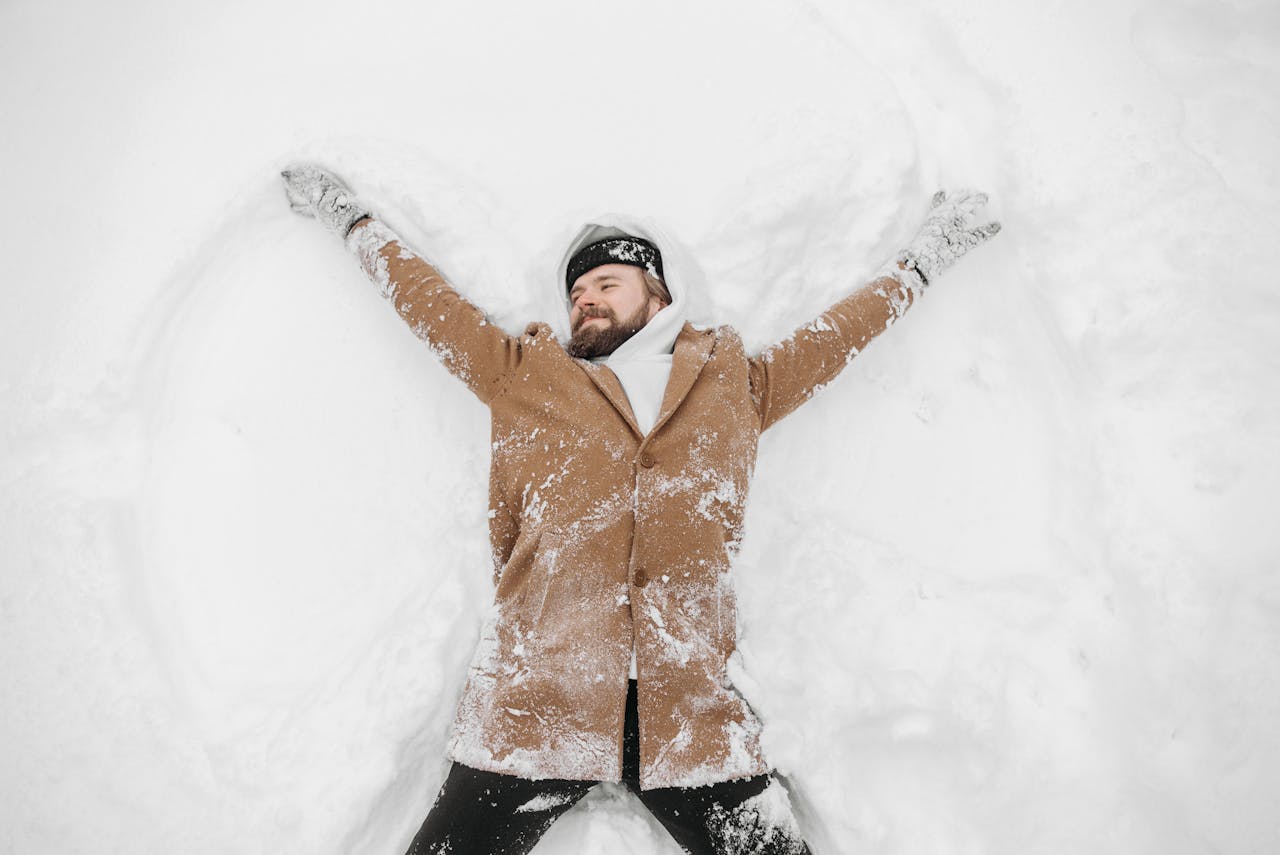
x=949, y=231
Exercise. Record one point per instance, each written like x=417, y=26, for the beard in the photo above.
x=603, y=339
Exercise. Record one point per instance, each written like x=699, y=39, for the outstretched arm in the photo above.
x=470, y=346
x=785, y=375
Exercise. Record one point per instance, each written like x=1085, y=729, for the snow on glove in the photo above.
x=948, y=233
x=314, y=192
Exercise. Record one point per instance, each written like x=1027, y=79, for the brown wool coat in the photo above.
x=599, y=532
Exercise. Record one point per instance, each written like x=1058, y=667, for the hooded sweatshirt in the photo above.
x=642, y=363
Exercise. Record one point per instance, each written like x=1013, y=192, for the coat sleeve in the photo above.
x=785, y=375
x=474, y=349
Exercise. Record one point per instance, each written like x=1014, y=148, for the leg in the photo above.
x=486, y=813
x=748, y=816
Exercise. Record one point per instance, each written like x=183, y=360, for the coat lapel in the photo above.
x=693, y=347
x=608, y=383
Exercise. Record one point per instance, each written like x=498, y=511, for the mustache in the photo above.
x=586, y=316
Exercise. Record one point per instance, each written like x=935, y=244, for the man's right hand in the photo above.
x=314, y=192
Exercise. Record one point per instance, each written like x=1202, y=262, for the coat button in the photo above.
x=647, y=461
x=641, y=578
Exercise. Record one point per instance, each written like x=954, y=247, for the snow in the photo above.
x=543, y=802
x=767, y=816
x=1006, y=585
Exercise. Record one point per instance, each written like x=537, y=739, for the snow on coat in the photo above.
x=600, y=531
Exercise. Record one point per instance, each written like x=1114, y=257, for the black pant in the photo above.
x=486, y=813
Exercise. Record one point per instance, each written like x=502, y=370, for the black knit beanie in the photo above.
x=635, y=251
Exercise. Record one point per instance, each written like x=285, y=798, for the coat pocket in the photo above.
x=540, y=598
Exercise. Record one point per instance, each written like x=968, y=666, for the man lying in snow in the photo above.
x=620, y=465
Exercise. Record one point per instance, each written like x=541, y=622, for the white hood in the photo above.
x=659, y=335
x=642, y=362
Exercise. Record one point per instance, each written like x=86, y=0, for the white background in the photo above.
x=1008, y=586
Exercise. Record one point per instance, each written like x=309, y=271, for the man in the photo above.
x=618, y=481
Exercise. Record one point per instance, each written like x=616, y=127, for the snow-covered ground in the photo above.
x=1008, y=586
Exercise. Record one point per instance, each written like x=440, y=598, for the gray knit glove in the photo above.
x=948, y=233
x=316, y=193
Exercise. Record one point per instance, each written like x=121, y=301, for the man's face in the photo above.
x=610, y=304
